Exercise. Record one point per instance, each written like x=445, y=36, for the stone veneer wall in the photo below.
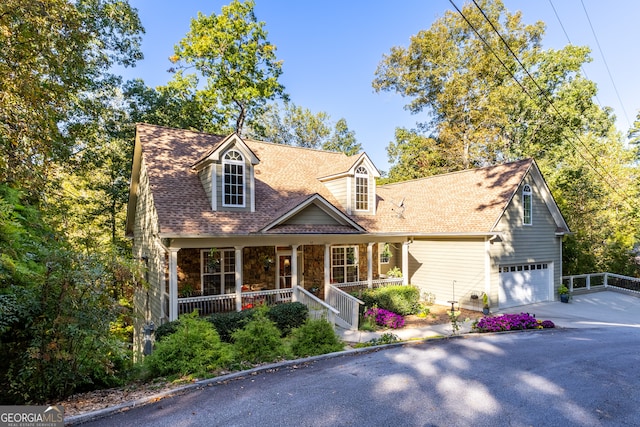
x=254, y=271
x=313, y=256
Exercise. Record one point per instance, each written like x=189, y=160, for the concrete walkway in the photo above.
x=598, y=309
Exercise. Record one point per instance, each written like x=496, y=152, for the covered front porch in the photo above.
x=214, y=277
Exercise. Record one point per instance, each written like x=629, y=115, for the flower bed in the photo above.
x=510, y=322
x=385, y=317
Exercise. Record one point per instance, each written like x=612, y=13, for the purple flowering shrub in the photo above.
x=510, y=322
x=385, y=317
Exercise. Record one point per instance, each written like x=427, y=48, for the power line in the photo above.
x=541, y=91
x=555, y=12
x=552, y=105
x=624, y=111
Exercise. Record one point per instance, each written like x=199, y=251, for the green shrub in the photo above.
x=288, y=316
x=402, y=300
x=193, y=349
x=315, y=336
x=227, y=323
x=166, y=329
x=386, y=338
x=259, y=340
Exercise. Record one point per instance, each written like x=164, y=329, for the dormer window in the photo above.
x=233, y=184
x=362, y=189
x=527, y=205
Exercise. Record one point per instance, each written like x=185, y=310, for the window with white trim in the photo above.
x=344, y=264
x=218, y=267
x=233, y=188
x=362, y=189
x=527, y=198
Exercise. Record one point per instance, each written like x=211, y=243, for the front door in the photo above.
x=284, y=271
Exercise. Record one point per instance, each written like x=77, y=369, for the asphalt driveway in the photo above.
x=581, y=374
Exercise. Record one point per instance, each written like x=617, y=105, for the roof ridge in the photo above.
x=441, y=175
x=181, y=129
x=317, y=150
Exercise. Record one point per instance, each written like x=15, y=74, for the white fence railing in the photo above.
x=318, y=309
x=594, y=281
x=364, y=284
x=348, y=307
x=209, y=304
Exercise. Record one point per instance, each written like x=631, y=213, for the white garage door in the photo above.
x=524, y=284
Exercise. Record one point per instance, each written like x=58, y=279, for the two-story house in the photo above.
x=223, y=222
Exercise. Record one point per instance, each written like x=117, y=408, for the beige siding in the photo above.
x=338, y=188
x=526, y=243
x=312, y=215
x=394, y=261
x=205, y=179
x=148, y=299
x=435, y=264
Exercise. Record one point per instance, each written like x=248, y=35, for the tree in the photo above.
x=178, y=104
x=231, y=52
x=634, y=136
x=343, y=140
x=414, y=156
x=485, y=107
x=39, y=89
x=299, y=126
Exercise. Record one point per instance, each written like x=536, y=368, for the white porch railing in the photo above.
x=347, y=305
x=209, y=304
x=364, y=284
x=596, y=281
x=318, y=309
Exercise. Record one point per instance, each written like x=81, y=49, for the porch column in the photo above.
x=238, y=256
x=370, y=265
x=173, y=283
x=405, y=263
x=327, y=266
x=294, y=266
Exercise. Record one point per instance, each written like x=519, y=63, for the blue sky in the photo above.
x=331, y=50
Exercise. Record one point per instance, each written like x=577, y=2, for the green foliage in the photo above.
x=40, y=90
x=288, y=316
x=57, y=310
x=473, y=113
x=315, y=336
x=166, y=329
x=298, y=126
x=227, y=323
x=194, y=349
x=386, y=338
x=402, y=300
x=231, y=52
x=259, y=340
x=394, y=272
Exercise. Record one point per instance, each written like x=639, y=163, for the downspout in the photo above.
x=405, y=261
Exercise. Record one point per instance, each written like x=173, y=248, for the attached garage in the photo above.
x=524, y=284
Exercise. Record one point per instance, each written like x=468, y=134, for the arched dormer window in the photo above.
x=233, y=188
x=527, y=197
x=362, y=189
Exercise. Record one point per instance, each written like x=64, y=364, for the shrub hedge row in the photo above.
x=399, y=299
